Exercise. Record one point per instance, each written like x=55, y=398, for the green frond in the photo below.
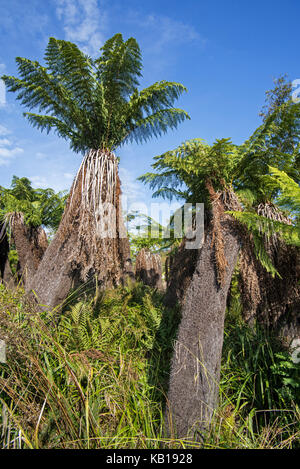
x=275, y=143
x=38, y=206
x=155, y=124
x=64, y=60
x=259, y=226
x=289, y=190
x=184, y=171
x=170, y=193
x=95, y=103
x=158, y=96
x=119, y=67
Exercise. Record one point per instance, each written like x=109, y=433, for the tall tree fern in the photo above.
x=96, y=105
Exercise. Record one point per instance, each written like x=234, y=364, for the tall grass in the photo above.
x=96, y=376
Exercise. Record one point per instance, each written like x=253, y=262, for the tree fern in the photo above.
x=38, y=206
x=288, y=198
x=95, y=103
x=182, y=173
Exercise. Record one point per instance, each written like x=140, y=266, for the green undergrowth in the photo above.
x=96, y=376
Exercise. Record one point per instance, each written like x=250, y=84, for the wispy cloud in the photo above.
x=7, y=154
x=4, y=131
x=8, y=150
x=165, y=31
x=39, y=182
x=57, y=181
x=170, y=31
x=41, y=156
x=69, y=176
x=4, y=142
x=84, y=23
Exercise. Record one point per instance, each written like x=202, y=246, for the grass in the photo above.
x=96, y=376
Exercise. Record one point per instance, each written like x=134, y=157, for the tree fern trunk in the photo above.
x=274, y=302
x=148, y=268
x=91, y=239
x=31, y=244
x=195, y=368
x=4, y=250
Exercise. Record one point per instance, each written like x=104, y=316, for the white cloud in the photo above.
x=7, y=154
x=7, y=150
x=83, y=23
x=165, y=31
x=41, y=156
x=4, y=131
x=4, y=142
x=69, y=176
x=170, y=31
x=57, y=181
x=39, y=182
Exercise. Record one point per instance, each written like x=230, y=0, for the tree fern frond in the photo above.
x=95, y=103
x=155, y=124
x=158, y=96
x=289, y=190
x=119, y=67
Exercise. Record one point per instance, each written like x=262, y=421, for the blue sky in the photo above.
x=225, y=52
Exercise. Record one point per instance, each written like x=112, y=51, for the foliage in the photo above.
x=288, y=198
x=280, y=94
x=96, y=377
x=39, y=206
x=95, y=103
x=259, y=376
x=95, y=380
x=182, y=173
x=150, y=234
x=275, y=143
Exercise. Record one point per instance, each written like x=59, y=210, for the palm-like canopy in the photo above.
x=95, y=104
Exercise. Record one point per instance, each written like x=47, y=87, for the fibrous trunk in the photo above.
x=180, y=267
x=91, y=239
x=274, y=302
x=31, y=244
x=5, y=272
x=148, y=268
x=195, y=367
